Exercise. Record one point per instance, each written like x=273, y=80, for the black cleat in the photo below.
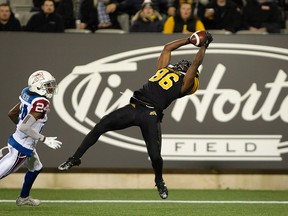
x=162, y=189
x=69, y=163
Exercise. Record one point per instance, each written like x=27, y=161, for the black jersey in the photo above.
x=162, y=88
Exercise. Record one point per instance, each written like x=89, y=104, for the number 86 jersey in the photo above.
x=30, y=102
x=164, y=87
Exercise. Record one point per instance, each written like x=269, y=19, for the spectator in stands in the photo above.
x=94, y=15
x=147, y=19
x=198, y=6
x=46, y=20
x=38, y=3
x=184, y=21
x=262, y=16
x=8, y=22
x=66, y=10
x=222, y=15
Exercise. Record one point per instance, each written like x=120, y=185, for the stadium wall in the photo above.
x=145, y=181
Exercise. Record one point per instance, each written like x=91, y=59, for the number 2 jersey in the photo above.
x=164, y=87
x=29, y=101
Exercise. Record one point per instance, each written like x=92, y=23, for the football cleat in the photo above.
x=27, y=201
x=69, y=163
x=162, y=189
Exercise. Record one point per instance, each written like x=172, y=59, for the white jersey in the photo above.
x=30, y=101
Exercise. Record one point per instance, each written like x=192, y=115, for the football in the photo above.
x=198, y=38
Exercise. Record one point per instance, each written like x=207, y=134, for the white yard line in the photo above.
x=159, y=201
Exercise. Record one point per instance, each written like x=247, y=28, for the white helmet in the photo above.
x=42, y=83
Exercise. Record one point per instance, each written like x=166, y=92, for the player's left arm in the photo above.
x=189, y=78
x=38, y=110
x=13, y=113
x=191, y=73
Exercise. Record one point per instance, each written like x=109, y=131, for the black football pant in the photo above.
x=134, y=114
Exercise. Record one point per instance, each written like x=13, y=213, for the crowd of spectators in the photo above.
x=164, y=16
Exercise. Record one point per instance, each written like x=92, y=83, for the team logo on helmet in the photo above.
x=42, y=83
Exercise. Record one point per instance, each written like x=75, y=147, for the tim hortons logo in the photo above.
x=210, y=100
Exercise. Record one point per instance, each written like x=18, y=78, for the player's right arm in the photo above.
x=165, y=56
x=13, y=113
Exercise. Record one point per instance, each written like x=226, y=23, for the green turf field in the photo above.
x=147, y=202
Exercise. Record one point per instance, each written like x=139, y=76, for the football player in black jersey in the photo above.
x=147, y=104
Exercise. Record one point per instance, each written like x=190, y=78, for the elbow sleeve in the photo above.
x=26, y=128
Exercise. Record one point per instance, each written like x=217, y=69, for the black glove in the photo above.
x=208, y=39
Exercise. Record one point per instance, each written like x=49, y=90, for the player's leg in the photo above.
x=151, y=131
x=34, y=166
x=116, y=120
x=11, y=162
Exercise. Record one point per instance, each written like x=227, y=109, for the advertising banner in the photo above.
x=237, y=120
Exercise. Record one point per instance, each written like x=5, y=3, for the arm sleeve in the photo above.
x=26, y=128
x=195, y=86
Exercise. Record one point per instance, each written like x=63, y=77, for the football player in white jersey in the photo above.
x=30, y=115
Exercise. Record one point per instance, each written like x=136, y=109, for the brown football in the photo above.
x=198, y=38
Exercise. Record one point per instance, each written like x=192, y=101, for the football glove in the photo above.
x=52, y=142
x=208, y=39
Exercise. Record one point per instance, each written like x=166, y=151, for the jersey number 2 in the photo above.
x=164, y=80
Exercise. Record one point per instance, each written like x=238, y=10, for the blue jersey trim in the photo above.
x=18, y=147
x=28, y=96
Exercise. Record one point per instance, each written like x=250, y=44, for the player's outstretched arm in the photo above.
x=26, y=128
x=188, y=80
x=165, y=56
